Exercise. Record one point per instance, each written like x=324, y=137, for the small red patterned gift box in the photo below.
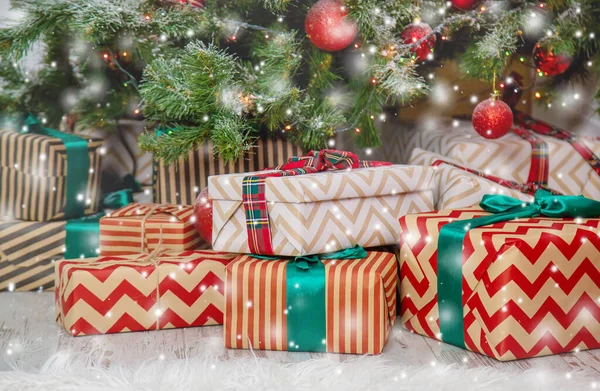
x=529, y=286
x=139, y=228
x=141, y=292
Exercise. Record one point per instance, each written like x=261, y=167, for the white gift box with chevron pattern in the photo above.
x=133, y=293
x=529, y=287
x=455, y=188
x=323, y=212
x=510, y=157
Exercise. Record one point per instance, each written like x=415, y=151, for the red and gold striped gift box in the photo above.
x=33, y=176
x=530, y=287
x=138, y=228
x=133, y=293
x=360, y=306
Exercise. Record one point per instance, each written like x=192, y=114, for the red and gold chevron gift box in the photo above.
x=530, y=287
x=268, y=307
x=139, y=228
x=135, y=293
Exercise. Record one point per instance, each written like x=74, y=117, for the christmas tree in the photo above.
x=228, y=71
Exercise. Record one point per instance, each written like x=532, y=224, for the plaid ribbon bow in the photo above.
x=253, y=190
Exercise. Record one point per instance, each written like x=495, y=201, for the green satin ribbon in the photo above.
x=452, y=235
x=118, y=199
x=306, y=298
x=78, y=166
x=83, y=234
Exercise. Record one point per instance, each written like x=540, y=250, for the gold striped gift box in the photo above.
x=182, y=181
x=138, y=228
x=33, y=174
x=27, y=254
x=360, y=304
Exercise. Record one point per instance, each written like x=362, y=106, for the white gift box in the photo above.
x=325, y=211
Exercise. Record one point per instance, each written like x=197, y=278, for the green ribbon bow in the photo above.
x=306, y=298
x=452, y=235
x=78, y=166
x=83, y=234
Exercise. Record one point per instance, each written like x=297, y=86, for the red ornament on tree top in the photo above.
x=328, y=26
x=549, y=63
x=464, y=4
x=203, y=214
x=492, y=118
x=413, y=33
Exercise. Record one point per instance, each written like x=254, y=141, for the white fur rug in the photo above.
x=76, y=371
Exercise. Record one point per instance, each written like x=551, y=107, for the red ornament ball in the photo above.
x=203, y=213
x=328, y=26
x=413, y=33
x=549, y=63
x=492, y=118
x=464, y=4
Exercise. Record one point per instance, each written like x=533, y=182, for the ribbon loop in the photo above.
x=452, y=236
x=78, y=166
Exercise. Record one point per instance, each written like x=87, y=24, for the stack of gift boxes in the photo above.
x=49, y=185
x=483, y=244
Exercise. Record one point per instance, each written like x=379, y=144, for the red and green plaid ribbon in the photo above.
x=543, y=128
x=539, y=170
x=526, y=188
x=255, y=201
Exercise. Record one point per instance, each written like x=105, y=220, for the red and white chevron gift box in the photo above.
x=133, y=293
x=530, y=287
x=139, y=228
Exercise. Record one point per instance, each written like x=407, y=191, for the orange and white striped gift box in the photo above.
x=360, y=304
x=134, y=293
x=530, y=287
x=139, y=228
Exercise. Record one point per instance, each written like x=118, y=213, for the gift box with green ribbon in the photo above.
x=48, y=175
x=28, y=249
x=512, y=280
x=343, y=302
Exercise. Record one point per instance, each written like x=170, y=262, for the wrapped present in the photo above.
x=457, y=186
x=140, y=292
x=48, y=175
x=509, y=283
x=301, y=209
x=28, y=250
x=533, y=153
x=344, y=305
x=139, y=228
x=182, y=181
x=126, y=158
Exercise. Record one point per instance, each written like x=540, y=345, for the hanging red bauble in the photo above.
x=549, y=63
x=203, y=213
x=328, y=26
x=492, y=118
x=413, y=33
x=464, y=4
